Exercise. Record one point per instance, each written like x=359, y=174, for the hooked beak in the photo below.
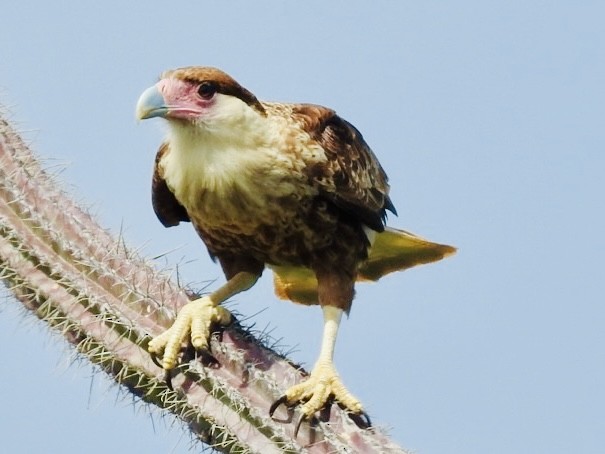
x=151, y=104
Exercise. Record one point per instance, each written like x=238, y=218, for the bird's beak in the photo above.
x=151, y=104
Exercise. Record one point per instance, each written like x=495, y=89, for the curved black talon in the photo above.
x=168, y=378
x=361, y=420
x=298, y=424
x=275, y=405
x=312, y=422
x=156, y=359
x=167, y=372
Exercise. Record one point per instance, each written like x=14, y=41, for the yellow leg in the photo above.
x=195, y=319
x=324, y=381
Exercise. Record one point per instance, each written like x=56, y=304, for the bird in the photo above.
x=290, y=187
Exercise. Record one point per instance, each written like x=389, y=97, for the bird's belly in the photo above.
x=277, y=229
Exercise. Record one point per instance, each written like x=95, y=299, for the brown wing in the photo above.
x=167, y=208
x=352, y=179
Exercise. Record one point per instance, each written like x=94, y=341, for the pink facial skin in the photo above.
x=182, y=100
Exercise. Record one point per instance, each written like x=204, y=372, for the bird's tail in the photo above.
x=393, y=250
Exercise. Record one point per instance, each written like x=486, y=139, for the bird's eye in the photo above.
x=207, y=89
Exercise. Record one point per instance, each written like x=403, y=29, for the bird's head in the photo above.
x=202, y=96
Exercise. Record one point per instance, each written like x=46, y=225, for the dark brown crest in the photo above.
x=224, y=82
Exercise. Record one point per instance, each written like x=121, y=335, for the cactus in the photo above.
x=107, y=301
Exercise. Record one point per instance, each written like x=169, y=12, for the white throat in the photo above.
x=229, y=148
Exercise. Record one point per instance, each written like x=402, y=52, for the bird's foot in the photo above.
x=195, y=319
x=318, y=392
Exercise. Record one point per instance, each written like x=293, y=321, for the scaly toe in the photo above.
x=319, y=391
x=195, y=320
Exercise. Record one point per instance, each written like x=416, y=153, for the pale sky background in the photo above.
x=489, y=118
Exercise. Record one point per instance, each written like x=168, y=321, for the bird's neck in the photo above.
x=206, y=161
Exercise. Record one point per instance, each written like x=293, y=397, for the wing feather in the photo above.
x=167, y=208
x=352, y=178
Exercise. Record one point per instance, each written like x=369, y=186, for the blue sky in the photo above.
x=487, y=116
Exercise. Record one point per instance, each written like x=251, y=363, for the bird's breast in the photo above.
x=236, y=188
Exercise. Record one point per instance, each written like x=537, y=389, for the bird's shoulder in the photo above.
x=166, y=206
x=351, y=176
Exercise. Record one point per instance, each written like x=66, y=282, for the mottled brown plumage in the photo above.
x=320, y=223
